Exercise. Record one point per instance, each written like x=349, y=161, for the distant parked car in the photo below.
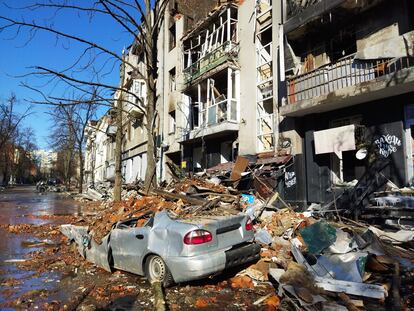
x=41, y=186
x=53, y=182
x=171, y=250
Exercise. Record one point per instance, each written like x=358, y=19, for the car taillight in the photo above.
x=198, y=237
x=249, y=225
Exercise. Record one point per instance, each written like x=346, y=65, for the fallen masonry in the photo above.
x=316, y=259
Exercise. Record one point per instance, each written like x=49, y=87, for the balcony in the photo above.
x=217, y=118
x=211, y=44
x=227, y=51
x=109, y=171
x=338, y=85
x=223, y=111
x=300, y=12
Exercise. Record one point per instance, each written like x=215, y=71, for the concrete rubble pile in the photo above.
x=313, y=262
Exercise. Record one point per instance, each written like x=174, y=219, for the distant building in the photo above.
x=46, y=160
x=99, y=151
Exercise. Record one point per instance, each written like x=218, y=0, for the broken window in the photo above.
x=172, y=80
x=197, y=159
x=264, y=82
x=265, y=121
x=146, y=220
x=172, y=37
x=212, y=44
x=196, y=114
x=215, y=99
x=138, y=89
x=171, y=122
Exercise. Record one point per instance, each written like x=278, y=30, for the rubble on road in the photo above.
x=310, y=260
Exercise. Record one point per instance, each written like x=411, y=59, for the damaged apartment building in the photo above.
x=347, y=101
x=328, y=83
x=216, y=88
x=224, y=86
x=100, y=135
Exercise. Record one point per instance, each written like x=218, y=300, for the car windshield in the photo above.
x=145, y=220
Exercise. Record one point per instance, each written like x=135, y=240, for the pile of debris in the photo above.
x=189, y=197
x=314, y=263
x=392, y=207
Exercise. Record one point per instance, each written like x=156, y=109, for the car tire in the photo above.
x=156, y=270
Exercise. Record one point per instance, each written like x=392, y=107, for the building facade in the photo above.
x=346, y=109
x=328, y=82
x=221, y=87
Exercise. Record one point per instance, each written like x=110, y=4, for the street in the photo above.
x=21, y=285
x=39, y=270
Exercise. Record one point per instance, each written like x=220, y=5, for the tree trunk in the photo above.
x=118, y=155
x=118, y=138
x=6, y=168
x=150, y=174
x=80, y=154
x=151, y=36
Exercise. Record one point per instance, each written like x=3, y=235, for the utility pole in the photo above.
x=118, y=137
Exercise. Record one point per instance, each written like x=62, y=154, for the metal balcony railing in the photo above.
x=224, y=52
x=346, y=72
x=223, y=111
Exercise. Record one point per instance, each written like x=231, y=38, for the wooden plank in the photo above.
x=239, y=167
x=176, y=196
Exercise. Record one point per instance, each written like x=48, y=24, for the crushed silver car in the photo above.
x=168, y=249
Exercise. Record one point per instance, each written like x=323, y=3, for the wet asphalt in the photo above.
x=17, y=206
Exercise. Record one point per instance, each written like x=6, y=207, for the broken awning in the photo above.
x=394, y=47
x=276, y=159
x=335, y=140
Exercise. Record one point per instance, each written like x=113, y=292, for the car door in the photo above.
x=128, y=246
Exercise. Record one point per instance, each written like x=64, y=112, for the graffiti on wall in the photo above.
x=387, y=144
x=290, y=179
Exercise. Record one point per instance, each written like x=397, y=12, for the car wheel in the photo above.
x=156, y=270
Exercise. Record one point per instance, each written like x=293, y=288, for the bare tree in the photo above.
x=65, y=165
x=24, y=163
x=70, y=122
x=10, y=119
x=10, y=122
x=142, y=20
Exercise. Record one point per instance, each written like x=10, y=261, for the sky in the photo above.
x=17, y=56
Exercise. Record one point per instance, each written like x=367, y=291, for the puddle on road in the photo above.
x=22, y=205
x=25, y=201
